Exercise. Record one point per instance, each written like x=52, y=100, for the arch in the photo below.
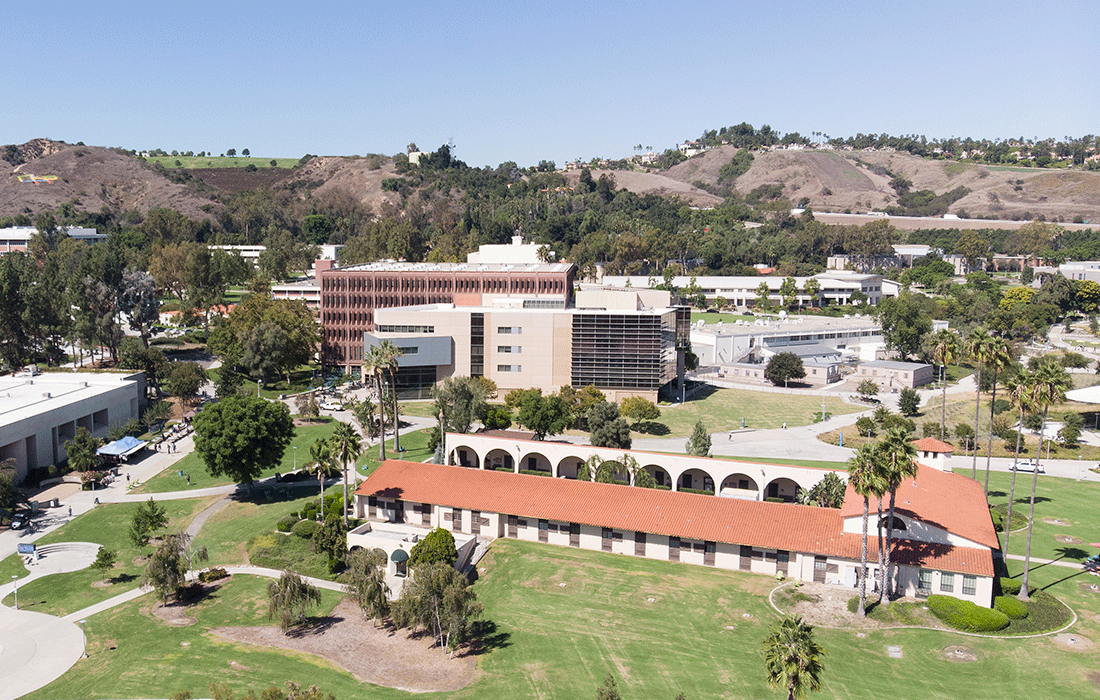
x=899, y=524
x=695, y=479
x=740, y=485
x=463, y=456
x=499, y=459
x=783, y=488
x=618, y=471
x=567, y=467
x=660, y=475
x=535, y=462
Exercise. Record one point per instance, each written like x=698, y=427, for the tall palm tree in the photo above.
x=945, y=351
x=323, y=464
x=1049, y=384
x=390, y=355
x=792, y=658
x=897, y=462
x=977, y=347
x=345, y=447
x=372, y=365
x=998, y=360
x=1020, y=392
x=863, y=475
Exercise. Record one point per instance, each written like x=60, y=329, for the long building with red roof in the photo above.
x=945, y=546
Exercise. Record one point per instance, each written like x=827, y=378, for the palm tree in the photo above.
x=864, y=477
x=897, y=461
x=977, y=346
x=1020, y=392
x=323, y=464
x=372, y=365
x=999, y=359
x=792, y=658
x=1049, y=384
x=945, y=351
x=390, y=354
x=345, y=448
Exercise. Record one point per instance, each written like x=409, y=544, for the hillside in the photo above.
x=834, y=181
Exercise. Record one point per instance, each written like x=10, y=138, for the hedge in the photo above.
x=1010, y=586
x=212, y=574
x=287, y=523
x=306, y=529
x=1010, y=606
x=966, y=616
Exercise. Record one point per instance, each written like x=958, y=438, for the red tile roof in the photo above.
x=929, y=555
x=690, y=516
x=945, y=500
x=930, y=444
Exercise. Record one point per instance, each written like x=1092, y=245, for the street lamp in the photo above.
x=295, y=457
x=15, y=579
x=84, y=634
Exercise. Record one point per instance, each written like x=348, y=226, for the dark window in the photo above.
x=970, y=584
x=947, y=583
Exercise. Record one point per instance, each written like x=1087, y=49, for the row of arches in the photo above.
x=696, y=480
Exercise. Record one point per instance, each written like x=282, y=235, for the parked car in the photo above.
x=331, y=406
x=1028, y=465
x=20, y=520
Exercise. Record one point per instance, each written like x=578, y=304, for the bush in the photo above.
x=306, y=529
x=966, y=616
x=214, y=574
x=287, y=523
x=1010, y=606
x=1010, y=586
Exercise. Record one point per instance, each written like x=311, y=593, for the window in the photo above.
x=510, y=330
x=410, y=350
x=607, y=533
x=509, y=368
x=544, y=524
x=673, y=542
x=516, y=349
x=925, y=581
x=970, y=584
x=947, y=583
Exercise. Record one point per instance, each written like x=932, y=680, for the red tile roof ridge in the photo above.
x=931, y=444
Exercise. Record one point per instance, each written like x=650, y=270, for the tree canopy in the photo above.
x=243, y=436
x=783, y=367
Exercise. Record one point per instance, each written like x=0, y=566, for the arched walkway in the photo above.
x=659, y=475
x=783, y=488
x=567, y=467
x=617, y=469
x=740, y=486
x=695, y=479
x=463, y=456
x=500, y=460
x=534, y=462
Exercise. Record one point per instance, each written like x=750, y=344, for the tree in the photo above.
x=867, y=389
x=789, y=291
x=607, y=428
x=979, y=347
x=462, y=401
x=439, y=599
x=133, y=355
x=323, y=464
x=793, y=658
x=998, y=359
x=345, y=448
x=698, y=444
x=166, y=570
x=366, y=582
x=81, y=451
x=909, y=402
x=945, y=351
x=308, y=407
x=1049, y=384
x=332, y=539
x=544, y=415
x=185, y=379
x=265, y=336
x=438, y=546
x=140, y=302
x=373, y=366
x=243, y=436
x=147, y=519
x=639, y=409
x=904, y=324
x=784, y=366
x=580, y=401
x=389, y=354
x=827, y=493
x=231, y=152
x=812, y=288
x=863, y=475
x=609, y=690
x=897, y=461
x=763, y=298
x=244, y=152
x=104, y=560
x=289, y=598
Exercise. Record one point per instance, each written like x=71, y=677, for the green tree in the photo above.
x=81, y=451
x=185, y=379
x=438, y=546
x=133, y=355
x=945, y=351
x=793, y=658
x=698, y=444
x=147, y=519
x=365, y=580
x=904, y=323
x=166, y=570
x=439, y=599
x=812, y=288
x=243, y=436
x=867, y=389
x=544, y=415
x=332, y=539
x=140, y=302
x=909, y=402
x=638, y=409
x=231, y=152
x=827, y=493
x=104, y=560
x=998, y=359
x=364, y=415
x=346, y=449
x=789, y=291
x=461, y=400
x=864, y=476
x=783, y=367
x=607, y=428
x=265, y=336
x=374, y=366
x=323, y=464
x=307, y=405
x=389, y=356
x=897, y=461
x=763, y=298
x=979, y=345
x=609, y=690
x=289, y=598
x=1049, y=384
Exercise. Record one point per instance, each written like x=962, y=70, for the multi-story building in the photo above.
x=835, y=287
x=623, y=342
x=16, y=238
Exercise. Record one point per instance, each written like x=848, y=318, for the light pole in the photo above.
x=15, y=579
x=84, y=634
x=295, y=457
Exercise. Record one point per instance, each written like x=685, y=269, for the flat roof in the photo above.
x=25, y=397
x=894, y=364
x=791, y=325
x=397, y=266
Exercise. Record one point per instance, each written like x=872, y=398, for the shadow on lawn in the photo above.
x=314, y=626
x=485, y=636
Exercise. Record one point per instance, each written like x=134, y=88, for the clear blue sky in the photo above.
x=524, y=81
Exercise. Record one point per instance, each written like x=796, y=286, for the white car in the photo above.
x=331, y=406
x=1028, y=465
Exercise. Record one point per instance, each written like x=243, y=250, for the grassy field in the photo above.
x=722, y=410
x=711, y=317
x=212, y=161
x=106, y=525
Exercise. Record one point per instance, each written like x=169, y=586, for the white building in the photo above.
x=757, y=340
x=17, y=238
x=837, y=287
x=39, y=414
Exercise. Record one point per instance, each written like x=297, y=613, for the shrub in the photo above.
x=214, y=574
x=1010, y=606
x=1010, y=586
x=287, y=523
x=306, y=529
x=966, y=616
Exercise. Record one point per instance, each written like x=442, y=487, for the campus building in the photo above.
x=755, y=341
x=893, y=375
x=624, y=342
x=945, y=534
x=40, y=413
x=18, y=238
x=835, y=287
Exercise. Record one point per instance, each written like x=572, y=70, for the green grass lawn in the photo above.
x=711, y=317
x=132, y=654
x=722, y=410
x=301, y=379
x=211, y=161
x=107, y=525
x=226, y=532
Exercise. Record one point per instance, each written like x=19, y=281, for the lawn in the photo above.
x=302, y=379
x=107, y=525
x=132, y=654
x=712, y=317
x=723, y=409
x=212, y=161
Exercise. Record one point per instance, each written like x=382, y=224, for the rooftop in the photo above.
x=893, y=364
x=22, y=397
x=400, y=266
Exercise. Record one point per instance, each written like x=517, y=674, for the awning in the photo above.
x=399, y=556
x=122, y=448
x=1090, y=394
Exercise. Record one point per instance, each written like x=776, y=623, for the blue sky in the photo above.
x=524, y=81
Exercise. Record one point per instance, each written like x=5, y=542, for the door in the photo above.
x=425, y=514
x=782, y=561
x=708, y=553
x=475, y=522
x=513, y=526
x=639, y=544
x=674, y=549
x=820, y=567
x=574, y=535
x=745, y=563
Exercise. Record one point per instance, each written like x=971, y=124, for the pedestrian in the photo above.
x=70, y=511
x=731, y=436
x=784, y=426
x=188, y=479
x=127, y=477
